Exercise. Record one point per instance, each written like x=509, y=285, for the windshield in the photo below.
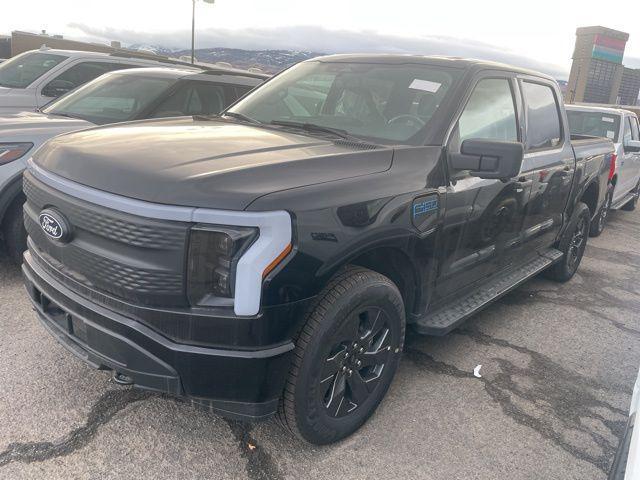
x=111, y=98
x=595, y=124
x=381, y=102
x=22, y=70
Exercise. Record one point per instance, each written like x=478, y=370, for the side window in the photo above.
x=194, y=98
x=77, y=75
x=489, y=114
x=627, y=135
x=633, y=123
x=635, y=130
x=543, y=117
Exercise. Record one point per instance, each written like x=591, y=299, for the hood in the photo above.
x=204, y=163
x=36, y=128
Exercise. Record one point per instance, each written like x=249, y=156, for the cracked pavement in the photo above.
x=558, y=366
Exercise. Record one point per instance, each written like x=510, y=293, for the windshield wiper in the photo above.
x=312, y=127
x=240, y=116
x=67, y=115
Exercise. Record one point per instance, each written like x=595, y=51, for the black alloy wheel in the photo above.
x=356, y=361
x=572, y=245
x=598, y=223
x=346, y=356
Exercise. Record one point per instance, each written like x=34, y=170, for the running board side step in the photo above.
x=623, y=201
x=447, y=318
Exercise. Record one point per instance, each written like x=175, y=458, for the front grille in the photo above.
x=131, y=257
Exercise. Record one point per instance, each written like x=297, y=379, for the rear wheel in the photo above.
x=572, y=245
x=14, y=233
x=345, y=358
x=598, y=223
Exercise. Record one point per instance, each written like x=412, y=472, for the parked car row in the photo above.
x=117, y=96
x=268, y=260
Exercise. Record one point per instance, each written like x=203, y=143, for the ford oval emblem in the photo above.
x=54, y=225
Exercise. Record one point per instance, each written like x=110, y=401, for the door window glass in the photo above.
x=489, y=114
x=80, y=74
x=194, y=98
x=635, y=133
x=543, y=117
x=627, y=135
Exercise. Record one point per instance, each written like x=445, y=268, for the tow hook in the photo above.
x=122, y=379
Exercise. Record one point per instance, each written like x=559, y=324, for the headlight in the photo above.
x=213, y=256
x=13, y=151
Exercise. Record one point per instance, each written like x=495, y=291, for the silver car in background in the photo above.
x=622, y=128
x=118, y=96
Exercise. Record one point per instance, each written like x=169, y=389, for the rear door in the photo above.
x=549, y=163
x=483, y=217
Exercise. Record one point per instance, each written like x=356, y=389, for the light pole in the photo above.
x=193, y=27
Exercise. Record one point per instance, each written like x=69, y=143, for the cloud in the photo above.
x=320, y=39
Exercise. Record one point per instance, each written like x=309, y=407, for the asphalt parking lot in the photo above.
x=558, y=366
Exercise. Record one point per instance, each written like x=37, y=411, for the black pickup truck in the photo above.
x=267, y=260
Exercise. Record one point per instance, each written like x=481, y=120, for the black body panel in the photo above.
x=438, y=233
x=216, y=163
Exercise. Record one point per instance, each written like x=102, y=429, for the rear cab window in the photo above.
x=594, y=124
x=544, y=128
x=22, y=70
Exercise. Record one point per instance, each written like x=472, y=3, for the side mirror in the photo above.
x=489, y=158
x=632, y=146
x=56, y=88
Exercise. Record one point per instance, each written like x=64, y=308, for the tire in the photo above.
x=358, y=317
x=14, y=233
x=599, y=222
x=572, y=245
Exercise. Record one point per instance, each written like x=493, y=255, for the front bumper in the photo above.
x=238, y=383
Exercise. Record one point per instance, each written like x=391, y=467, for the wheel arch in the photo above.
x=590, y=197
x=395, y=264
x=10, y=194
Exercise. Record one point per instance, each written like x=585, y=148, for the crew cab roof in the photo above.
x=161, y=61
x=596, y=108
x=454, y=62
x=224, y=75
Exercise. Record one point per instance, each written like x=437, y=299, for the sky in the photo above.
x=537, y=35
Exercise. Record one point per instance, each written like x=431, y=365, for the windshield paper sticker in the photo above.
x=425, y=85
x=608, y=119
x=610, y=134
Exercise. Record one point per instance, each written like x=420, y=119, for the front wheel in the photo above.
x=598, y=223
x=572, y=245
x=345, y=357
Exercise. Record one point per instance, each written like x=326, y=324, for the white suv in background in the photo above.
x=622, y=128
x=32, y=79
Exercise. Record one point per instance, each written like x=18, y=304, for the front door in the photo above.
x=549, y=164
x=483, y=217
x=629, y=161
